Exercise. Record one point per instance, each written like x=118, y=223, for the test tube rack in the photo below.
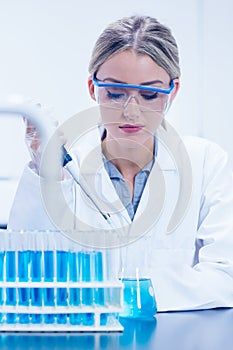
x=50, y=284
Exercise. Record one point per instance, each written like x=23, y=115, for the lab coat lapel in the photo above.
x=94, y=176
x=160, y=186
x=152, y=204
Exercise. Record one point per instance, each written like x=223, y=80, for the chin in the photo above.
x=131, y=143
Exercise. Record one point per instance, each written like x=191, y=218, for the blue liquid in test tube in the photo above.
x=62, y=294
x=49, y=297
x=10, y=277
x=24, y=293
x=98, y=269
x=74, y=292
x=99, y=277
x=36, y=293
x=87, y=293
x=2, y=254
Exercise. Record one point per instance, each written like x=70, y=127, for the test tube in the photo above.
x=11, y=276
x=62, y=269
x=87, y=293
x=36, y=273
x=62, y=274
x=99, y=277
x=2, y=256
x=74, y=295
x=49, y=263
x=112, y=264
x=23, y=274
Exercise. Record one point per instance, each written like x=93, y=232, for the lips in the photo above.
x=130, y=128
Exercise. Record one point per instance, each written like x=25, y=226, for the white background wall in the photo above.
x=45, y=48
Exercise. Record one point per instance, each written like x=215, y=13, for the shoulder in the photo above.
x=209, y=161
x=200, y=151
x=204, y=150
x=196, y=143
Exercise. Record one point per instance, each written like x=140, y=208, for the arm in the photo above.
x=28, y=210
x=208, y=282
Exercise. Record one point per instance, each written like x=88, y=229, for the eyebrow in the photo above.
x=122, y=82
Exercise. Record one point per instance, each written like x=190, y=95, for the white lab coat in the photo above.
x=191, y=268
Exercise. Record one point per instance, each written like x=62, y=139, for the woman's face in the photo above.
x=132, y=124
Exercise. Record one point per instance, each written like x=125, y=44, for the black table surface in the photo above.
x=190, y=330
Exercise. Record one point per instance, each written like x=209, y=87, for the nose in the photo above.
x=131, y=108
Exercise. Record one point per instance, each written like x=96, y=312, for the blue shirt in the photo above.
x=121, y=187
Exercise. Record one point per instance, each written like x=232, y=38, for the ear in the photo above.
x=91, y=88
x=176, y=89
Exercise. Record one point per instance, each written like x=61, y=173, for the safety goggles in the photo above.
x=118, y=95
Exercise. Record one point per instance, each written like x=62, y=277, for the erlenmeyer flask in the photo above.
x=138, y=294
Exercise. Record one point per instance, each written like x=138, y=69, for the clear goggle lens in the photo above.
x=119, y=96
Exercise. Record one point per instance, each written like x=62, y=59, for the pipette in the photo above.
x=17, y=105
x=69, y=165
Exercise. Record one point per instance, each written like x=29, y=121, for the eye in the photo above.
x=115, y=95
x=149, y=95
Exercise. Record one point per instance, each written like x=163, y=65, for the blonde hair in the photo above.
x=143, y=34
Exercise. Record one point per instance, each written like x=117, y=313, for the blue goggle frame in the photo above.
x=99, y=83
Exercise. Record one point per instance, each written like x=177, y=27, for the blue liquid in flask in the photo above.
x=139, y=299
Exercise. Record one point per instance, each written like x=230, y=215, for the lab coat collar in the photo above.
x=167, y=144
x=93, y=170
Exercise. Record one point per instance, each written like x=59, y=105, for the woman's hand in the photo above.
x=33, y=142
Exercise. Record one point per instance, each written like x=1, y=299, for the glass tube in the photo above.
x=74, y=295
x=87, y=293
x=11, y=277
x=23, y=293
x=98, y=276
x=49, y=272
x=62, y=274
x=62, y=294
x=2, y=263
x=36, y=273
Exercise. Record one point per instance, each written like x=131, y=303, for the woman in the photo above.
x=144, y=172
